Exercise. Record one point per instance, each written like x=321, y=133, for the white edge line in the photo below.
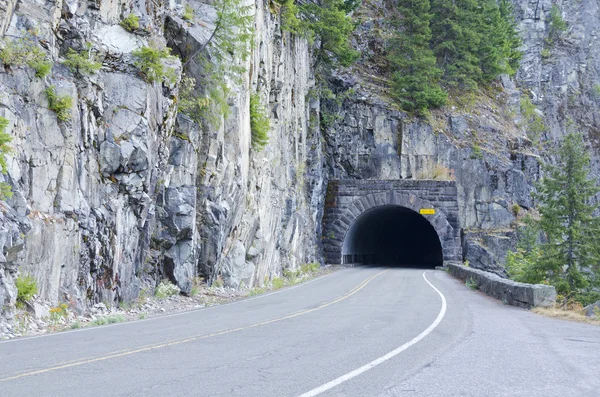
x=138, y=321
x=388, y=356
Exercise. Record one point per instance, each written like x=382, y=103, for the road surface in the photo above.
x=354, y=333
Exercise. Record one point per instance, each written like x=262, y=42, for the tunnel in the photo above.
x=392, y=235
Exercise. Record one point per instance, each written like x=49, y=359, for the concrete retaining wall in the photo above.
x=508, y=291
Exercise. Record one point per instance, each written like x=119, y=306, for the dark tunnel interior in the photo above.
x=392, y=236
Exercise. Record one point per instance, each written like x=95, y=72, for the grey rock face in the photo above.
x=487, y=147
x=257, y=212
x=128, y=192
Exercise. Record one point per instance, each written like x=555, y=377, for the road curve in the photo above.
x=357, y=332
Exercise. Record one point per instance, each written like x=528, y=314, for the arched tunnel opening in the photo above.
x=392, y=235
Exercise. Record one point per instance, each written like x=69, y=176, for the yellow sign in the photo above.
x=427, y=211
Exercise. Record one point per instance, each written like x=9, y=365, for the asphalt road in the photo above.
x=356, y=332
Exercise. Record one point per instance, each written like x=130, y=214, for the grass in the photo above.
x=75, y=325
x=111, y=319
x=290, y=277
x=568, y=314
x=166, y=289
x=277, y=283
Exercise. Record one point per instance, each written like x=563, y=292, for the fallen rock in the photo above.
x=593, y=310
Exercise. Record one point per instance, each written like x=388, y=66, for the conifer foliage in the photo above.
x=569, y=258
x=571, y=254
x=415, y=82
x=450, y=44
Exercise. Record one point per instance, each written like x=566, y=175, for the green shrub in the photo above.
x=596, y=90
x=557, y=23
x=477, y=153
x=545, y=53
x=5, y=148
x=289, y=17
x=471, y=284
x=26, y=289
x=257, y=291
x=516, y=209
x=115, y=318
x=188, y=13
x=76, y=325
x=25, y=51
x=100, y=321
x=309, y=267
x=60, y=104
x=42, y=67
x=533, y=121
x=166, y=289
x=150, y=62
x=190, y=103
x=259, y=123
x=81, y=62
x=587, y=297
x=5, y=191
x=131, y=22
x=277, y=283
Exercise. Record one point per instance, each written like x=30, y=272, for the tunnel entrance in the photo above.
x=392, y=235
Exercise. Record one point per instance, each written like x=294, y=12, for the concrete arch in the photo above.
x=349, y=205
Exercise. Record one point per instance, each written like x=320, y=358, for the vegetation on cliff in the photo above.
x=222, y=59
x=449, y=45
x=569, y=256
x=416, y=77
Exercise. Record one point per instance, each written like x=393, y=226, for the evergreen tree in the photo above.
x=512, y=41
x=557, y=25
x=570, y=256
x=456, y=39
x=492, y=59
x=523, y=264
x=325, y=21
x=416, y=76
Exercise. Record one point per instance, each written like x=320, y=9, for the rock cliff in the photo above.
x=129, y=191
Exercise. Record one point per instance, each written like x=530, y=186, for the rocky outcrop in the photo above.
x=593, y=310
x=485, y=142
x=128, y=191
x=508, y=291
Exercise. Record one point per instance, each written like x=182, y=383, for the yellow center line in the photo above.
x=194, y=338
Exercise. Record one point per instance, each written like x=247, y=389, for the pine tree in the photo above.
x=416, y=76
x=523, y=264
x=512, y=41
x=571, y=256
x=331, y=25
x=490, y=51
x=456, y=40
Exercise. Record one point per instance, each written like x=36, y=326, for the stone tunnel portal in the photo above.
x=392, y=235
